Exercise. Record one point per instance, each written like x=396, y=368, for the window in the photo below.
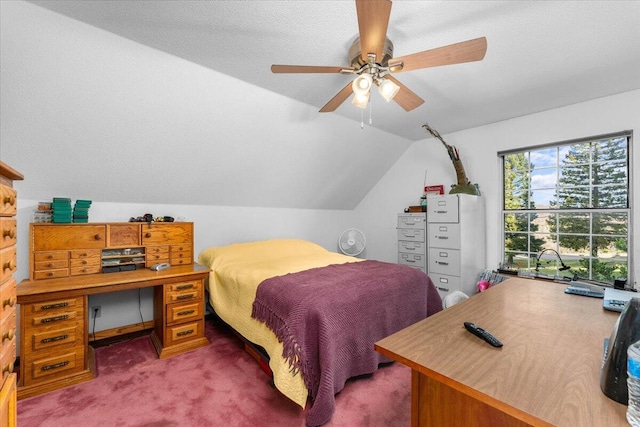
x=567, y=205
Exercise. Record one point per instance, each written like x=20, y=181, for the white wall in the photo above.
x=478, y=147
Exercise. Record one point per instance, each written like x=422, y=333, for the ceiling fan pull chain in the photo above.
x=361, y=119
x=370, y=118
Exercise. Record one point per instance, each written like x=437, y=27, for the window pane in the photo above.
x=610, y=223
x=574, y=222
x=610, y=173
x=544, y=199
x=574, y=246
x=610, y=197
x=573, y=198
x=516, y=190
x=547, y=157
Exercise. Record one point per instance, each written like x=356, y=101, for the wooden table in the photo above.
x=547, y=372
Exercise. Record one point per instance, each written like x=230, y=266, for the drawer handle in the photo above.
x=441, y=212
x=184, y=333
x=54, y=339
x=442, y=263
x=185, y=296
x=8, y=335
x=442, y=237
x=54, y=318
x=9, y=302
x=443, y=289
x=7, y=368
x=183, y=287
x=186, y=312
x=11, y=233
x=52, y=306
x=54, y=366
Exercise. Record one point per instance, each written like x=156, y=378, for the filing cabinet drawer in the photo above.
x=416, y=220
x=444, y=261
x=413, y=235
x=417, y=260
x=445, y=284
x=185, y=312
x=443, y=209
x=8, y=232
x=184, y=332
x=412, y=247
x=444, y=235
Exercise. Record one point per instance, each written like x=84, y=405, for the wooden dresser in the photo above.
x=67, y=264
x=8, y=239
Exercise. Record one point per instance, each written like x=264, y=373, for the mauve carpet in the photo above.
x=217, y=385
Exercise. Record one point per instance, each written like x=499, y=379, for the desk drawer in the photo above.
x=156, y=254
x=181, y=254
x=184, y=332
x=179, y=292
x=185, y=312
x=56, y=366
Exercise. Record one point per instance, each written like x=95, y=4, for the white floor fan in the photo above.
x=352, y=242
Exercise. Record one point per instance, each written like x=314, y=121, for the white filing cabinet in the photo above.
x=456, y=240
x=412, y=240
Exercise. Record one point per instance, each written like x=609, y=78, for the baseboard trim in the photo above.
x=122, y=333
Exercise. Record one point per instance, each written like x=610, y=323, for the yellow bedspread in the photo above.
x=238, y=269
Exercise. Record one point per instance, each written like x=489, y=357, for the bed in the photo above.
x=316, y=313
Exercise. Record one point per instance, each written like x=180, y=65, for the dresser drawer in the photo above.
x=184, y=332
x=409, y=247
x=179, y=292
x=411, y=234
x=443, y=209
x=444, y=235
x=8, y=201
x=7, y=360
x=8, y=232
x=184, y=312
x=8, y=333
x=444, y=261
x=416, y=220
x=8, y=264
x=7, y=298
x=416, y=260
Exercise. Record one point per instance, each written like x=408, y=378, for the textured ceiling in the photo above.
x=541, y=54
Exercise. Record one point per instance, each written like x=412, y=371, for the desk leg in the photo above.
x=435, y=404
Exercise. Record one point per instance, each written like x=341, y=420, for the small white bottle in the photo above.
x=633, y=384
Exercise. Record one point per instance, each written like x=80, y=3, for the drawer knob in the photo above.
x=9, y=302
x=9, y=265
x=8, y=368
x=9, y=200
x=147, y=235
x=98, y=237
x=8, y=335
x=11, y=233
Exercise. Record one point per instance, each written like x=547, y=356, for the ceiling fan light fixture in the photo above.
x=362, y=84
x=388, y=89
x=360, y=100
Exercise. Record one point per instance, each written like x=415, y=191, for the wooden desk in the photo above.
x=54, y=345
x=547, y=372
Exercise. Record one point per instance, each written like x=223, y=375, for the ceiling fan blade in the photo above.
x=405, y=97
x=337, y=100
x=373, y=20
x=309, y=69
x=469, y=51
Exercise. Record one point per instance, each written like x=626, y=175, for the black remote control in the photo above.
x=479, y=332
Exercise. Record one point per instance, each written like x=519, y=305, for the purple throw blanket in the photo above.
x=329, y=318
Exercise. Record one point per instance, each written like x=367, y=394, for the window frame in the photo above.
x=532, y=257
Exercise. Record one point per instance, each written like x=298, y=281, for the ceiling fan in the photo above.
x=371, y=59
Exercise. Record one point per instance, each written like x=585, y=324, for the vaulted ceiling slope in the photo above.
x=541, y=54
